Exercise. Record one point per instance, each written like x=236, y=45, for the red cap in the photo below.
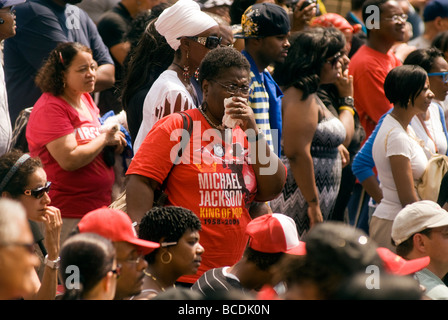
x=276, y=232
x=397, y=265
x=114, y=225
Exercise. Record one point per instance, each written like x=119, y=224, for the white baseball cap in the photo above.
x=416, y=217
x=273, y=233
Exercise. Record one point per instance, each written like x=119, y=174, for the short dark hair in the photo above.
x=405, y=248
x=50, y=77
x=93, y=255
x=263, y=260
x=404, y=84
x=309, y=51
x=441, y=41
x=424, y=58
x=169, y=223
x=219, y=60
x=19, y=180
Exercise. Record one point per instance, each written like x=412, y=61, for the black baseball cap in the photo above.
x=263, y=20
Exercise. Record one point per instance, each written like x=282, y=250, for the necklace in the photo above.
x=179, y=66
x=155, y=280
x=210, y=122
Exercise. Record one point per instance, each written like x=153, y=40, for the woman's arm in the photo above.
x=71, y=156
x=299, y=125
x=404, y=181
x=139, y=196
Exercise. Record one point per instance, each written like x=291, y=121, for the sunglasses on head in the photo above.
x=39, y=192
x=444, y=75
x=210, y=42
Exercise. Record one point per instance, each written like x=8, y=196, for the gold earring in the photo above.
x=169, y=258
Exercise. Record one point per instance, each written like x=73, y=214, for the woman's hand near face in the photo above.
x=239, y=109
x=53, y=226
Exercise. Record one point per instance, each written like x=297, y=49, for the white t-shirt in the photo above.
x=399, y=142
x=5, y=122
x=435, y=129
x=166, y=88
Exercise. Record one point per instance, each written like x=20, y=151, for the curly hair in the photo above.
x=94, y=256
x=50, y=77
x=220, y=60
x=169, y=223
x=308, y=53
x=18, y=182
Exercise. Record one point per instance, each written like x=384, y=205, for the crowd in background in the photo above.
x=222, y=149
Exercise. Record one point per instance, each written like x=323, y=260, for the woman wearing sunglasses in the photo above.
x=24, y=179
x=313, y=136
x=190, y=33
x=90, y=268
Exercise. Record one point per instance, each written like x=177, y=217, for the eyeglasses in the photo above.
x=210, y=42
x=334, y=59
x=233, y=89
x=39, y=192
x=132, y=261
x=117, y=270
x=27, y=246
x=398, y=18
x=444, y=75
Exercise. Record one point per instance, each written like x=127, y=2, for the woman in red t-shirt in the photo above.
x=224, y=167
x=64, y=131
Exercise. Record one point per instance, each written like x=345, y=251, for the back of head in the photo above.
x=434, y=9
x=86, y=258
x=387, y=287
x=341, y=248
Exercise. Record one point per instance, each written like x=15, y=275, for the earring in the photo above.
x=196, y=74
x=170, y=257
x=186, y=72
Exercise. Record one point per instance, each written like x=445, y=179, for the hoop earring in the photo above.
x=169, y=259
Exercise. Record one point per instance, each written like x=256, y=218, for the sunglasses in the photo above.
x=334, y=59
x=398, y=18
x=210, y=42
x=39, y=192
x=444, y=75
x=233, y=89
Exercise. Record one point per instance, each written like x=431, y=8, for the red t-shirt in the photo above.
x=218, y=191
x=74, y=192
x=369, y=69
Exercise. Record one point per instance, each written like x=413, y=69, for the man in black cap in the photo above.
x=265, y=30
x=435, y=17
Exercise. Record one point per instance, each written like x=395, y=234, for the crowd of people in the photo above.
x=154, y=149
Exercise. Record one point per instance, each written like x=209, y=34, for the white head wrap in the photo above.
x=183, y=19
